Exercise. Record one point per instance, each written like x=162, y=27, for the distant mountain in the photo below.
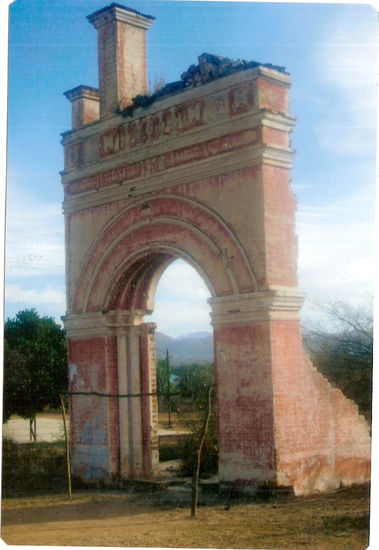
x=194, y=335
x=184, y=350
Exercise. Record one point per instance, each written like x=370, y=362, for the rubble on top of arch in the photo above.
x=210, y=67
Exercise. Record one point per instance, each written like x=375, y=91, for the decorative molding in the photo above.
x=171, y=159
x=221, y=164
x=99, y=324
x=86, y=92
x=192, y=228
x=228, y=247
x=211, y=92
x=168, y=121
x=116, y=12
x=279, y=303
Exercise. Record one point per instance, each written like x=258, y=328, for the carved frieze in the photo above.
x=73, y=155
x=241, y=99
x=154, y=165
x=169, y=122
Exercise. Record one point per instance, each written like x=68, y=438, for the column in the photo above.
x=123, y=402
x=135, y=410
x=149, y=399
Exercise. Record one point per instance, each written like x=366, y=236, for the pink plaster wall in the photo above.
x=321, y=441
x=94, y=419
x=244, y=404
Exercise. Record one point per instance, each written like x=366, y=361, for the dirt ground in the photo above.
x=335, y=521
x=50, y=427
x=162, y=519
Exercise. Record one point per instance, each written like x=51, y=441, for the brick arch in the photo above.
x=134, y=284
x=176, y=226
x=202, y=173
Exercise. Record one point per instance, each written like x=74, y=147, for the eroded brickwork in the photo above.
x=202, y=173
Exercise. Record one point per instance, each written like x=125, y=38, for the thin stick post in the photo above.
x=195, y=478
x=168, y=389
x=67, y=448
x=33, y=429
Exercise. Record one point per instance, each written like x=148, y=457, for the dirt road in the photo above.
x=323, y=522
x=49, y=428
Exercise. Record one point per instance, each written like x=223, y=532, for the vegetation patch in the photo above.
x=33, y=469
x=344, y=352
x=347, y=522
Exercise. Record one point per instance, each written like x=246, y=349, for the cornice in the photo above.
x=276, y=303
x=99, y=324
x=176, y=99
x=117, y=12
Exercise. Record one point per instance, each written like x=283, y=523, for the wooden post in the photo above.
x=33, y=429
x=67, y=448
x=168, y=389
x=195, y=478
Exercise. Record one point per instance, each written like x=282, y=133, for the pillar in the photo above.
x=92, y=357
x=137, y=408
x=113, y=405
x=245, y=372
x=149, y=399
x=123, y=402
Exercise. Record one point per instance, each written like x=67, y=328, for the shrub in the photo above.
x=209, y=454
x=32, y=468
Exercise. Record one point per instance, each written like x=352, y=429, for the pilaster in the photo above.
x=112, y=383
x=245, y=374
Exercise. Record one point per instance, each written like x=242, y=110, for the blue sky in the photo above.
x=330, y=52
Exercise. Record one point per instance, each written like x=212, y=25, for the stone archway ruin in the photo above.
x=201, y=173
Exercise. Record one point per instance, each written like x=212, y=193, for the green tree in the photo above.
x=35, y=364
x=194, y=381
x=344, y=352
x=193, y=384
x=162, y=386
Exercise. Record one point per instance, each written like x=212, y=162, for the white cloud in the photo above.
x=47, y=301
x=345, y=141
x=180, y=281
x=181, y=301
x=31, y=296
x=34, y=235
x=176, y=320
x=346, y=63
x=336, y=248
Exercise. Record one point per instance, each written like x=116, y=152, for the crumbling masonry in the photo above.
x=200, y=171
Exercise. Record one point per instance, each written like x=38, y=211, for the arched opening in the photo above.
x=185, y=370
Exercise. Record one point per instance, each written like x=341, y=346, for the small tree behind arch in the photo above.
x=35, y=364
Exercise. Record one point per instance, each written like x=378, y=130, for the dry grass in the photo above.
x=108, y=518
x=178, y=421
x=334, y=521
